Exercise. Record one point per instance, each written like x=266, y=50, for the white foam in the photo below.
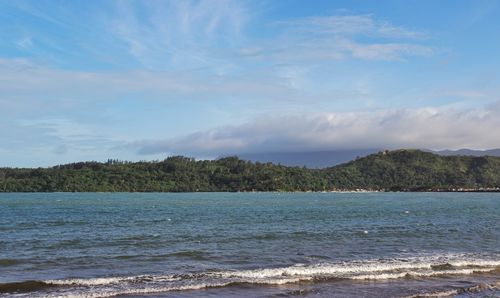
x=422, y=266
x=111, y=292
x=479, y=263
x=110, y=280
x=421, y=273
x=338, y=270
x=436, y=294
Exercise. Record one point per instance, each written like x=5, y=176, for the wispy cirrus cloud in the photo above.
x=24, y=81
x=342, y=37
x=25, y=43
x=153, y=35
x=178, y=34
x=351, y=25
x=213, y=35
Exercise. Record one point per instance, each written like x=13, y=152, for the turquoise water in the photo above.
x=250, y=244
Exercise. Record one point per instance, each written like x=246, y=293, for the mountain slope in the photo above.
x=417, y=170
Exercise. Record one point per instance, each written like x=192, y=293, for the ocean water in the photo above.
x=250, y=245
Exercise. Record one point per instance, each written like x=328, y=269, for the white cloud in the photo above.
x=340, y=37
x=351, y=25
x=211, y=34
x=338, y=25
x=388, y=30
x=178, y=34
x=432, y=128
x=25, y=84
x=25, y=43
x=383, y=51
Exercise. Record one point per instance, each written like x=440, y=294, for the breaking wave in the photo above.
x=381, y=269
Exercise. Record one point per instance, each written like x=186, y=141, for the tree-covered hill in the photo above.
x=417, y=171
x=411, y=170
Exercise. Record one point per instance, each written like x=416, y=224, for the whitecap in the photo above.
x=376, y=269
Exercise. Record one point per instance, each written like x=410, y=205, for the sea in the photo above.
x=250, y=245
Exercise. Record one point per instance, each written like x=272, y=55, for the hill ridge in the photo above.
x=396, y=170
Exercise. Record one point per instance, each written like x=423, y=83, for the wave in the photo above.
x=24, y=286
x=449, y=293
x=380, y=269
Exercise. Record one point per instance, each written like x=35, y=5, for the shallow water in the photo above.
x=250, y=244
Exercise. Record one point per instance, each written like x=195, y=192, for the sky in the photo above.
x=143, y=80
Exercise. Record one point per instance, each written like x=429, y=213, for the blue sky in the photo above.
x=141, y=80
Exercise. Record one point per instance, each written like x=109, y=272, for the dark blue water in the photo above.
x=250, y=244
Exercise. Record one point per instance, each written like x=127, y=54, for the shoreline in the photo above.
x=276, y=191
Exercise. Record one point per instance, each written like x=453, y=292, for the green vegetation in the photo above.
x=401, y=170
x=414, y=170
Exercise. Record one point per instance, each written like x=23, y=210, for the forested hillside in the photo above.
x=417, y=171
x=405, y=170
